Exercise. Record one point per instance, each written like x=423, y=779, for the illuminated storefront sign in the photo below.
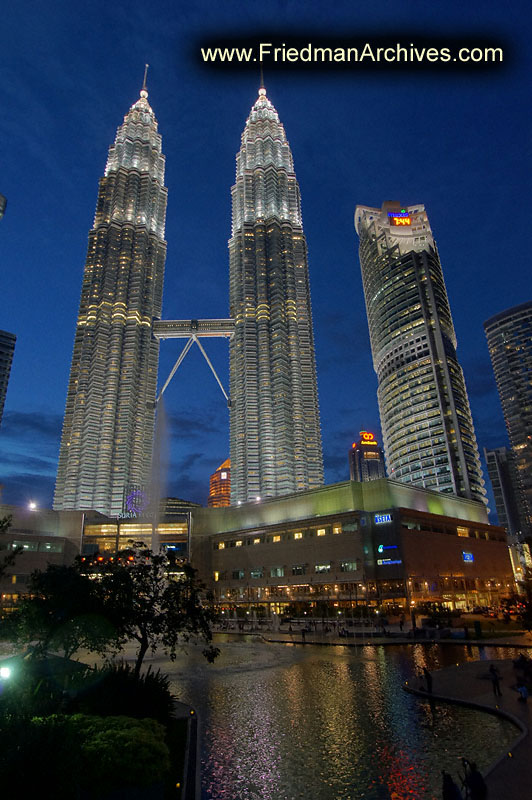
x=382, y=547
x=468, y=556
x=387, y=562
x=382, y=519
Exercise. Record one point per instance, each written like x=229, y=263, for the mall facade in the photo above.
x=380, y=543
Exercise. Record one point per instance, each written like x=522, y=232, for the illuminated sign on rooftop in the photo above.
x=367, y=438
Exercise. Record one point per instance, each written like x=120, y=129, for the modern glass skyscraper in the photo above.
x=428, y=433
x=366, y=459
x=509, y=337
x=106, y=446
x=275, y=429
x=7, y=349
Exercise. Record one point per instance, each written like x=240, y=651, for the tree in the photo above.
x=9, y=559
x=65, y=612
x=155, y=601
x=140, y=596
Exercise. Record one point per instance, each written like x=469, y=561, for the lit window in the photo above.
x=298, y=535
x=320, y=532
x=238, y=543
x=216, y=576
x=223, y=476
x=337, y=529
x=462, y=531
x=221, y=545
x=276, y=538
x=322, y=568
x=256, y=541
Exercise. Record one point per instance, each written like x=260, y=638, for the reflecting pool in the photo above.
x=285, y=722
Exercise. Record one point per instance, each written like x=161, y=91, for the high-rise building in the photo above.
x=220, y=486
x=509, y=337
x=7, y=349
x=506, y=489
x=428, y=433
x=106, y=446
x=366, y=459
x=275, y=428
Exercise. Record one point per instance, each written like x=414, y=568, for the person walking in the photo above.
x=475, y=784
x=450, y=790
x=495, y=680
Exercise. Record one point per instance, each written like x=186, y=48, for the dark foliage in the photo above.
x=116, y=691
x=81, y=756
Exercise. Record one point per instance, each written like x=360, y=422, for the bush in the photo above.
x=115, y=690
x=82, y=754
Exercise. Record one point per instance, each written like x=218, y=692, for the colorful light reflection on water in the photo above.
x=283, y=723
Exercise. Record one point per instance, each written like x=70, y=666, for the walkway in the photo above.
x=511, y=776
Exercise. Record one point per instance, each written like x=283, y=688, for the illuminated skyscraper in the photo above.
x=428, y=433
x=220, y=486
x=7, y=350
x=275, y=428
x=366, y=459
x=509, y=337
x=106, y=446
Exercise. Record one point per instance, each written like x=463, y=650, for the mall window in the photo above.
x=221, y=545
x=238, y=574
x=298, y=569
x=337, y=529
x=257, y=573
x=276, y=538
x=257, y=540
x=320, y=532
x=321, y=568
x=298, y=535
x=462, y=531
x=238, y=543
x=276, y=572
x=348, y=566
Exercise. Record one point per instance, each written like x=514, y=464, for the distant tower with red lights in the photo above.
x=220, y=486
x=366, y=459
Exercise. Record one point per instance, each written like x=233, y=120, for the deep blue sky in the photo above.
x=454, y=140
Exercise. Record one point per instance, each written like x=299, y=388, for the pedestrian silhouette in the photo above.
x=474, y=782
x=428, y=678
x=450, y=790
x=495, y=678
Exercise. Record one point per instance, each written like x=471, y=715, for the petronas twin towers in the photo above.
x=107, y=440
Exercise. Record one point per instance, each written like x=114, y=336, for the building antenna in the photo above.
x=145, y=76
x=261, y=77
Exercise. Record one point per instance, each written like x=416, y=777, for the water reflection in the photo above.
x=281, y=723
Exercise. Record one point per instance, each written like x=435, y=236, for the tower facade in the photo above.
x=274, y=417
x=220, y=486
x=106, y=445
x=366, y=459
x=428, y=433
x=509, y=337
x=7, y=350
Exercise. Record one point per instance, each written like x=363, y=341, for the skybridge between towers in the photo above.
x=193, y=330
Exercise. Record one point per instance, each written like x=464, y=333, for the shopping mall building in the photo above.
x=344, y=545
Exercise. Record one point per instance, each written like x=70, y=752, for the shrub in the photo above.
x=116, y=690
x=82, y=753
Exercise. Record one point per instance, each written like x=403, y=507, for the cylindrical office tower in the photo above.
x=509, y=337
x=107, y=441
x=428, y=433
x=275, y=428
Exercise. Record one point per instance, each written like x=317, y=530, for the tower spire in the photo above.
x=144, y=89
x=262, y=88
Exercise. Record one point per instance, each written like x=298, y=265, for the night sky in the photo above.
x=455, y=140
